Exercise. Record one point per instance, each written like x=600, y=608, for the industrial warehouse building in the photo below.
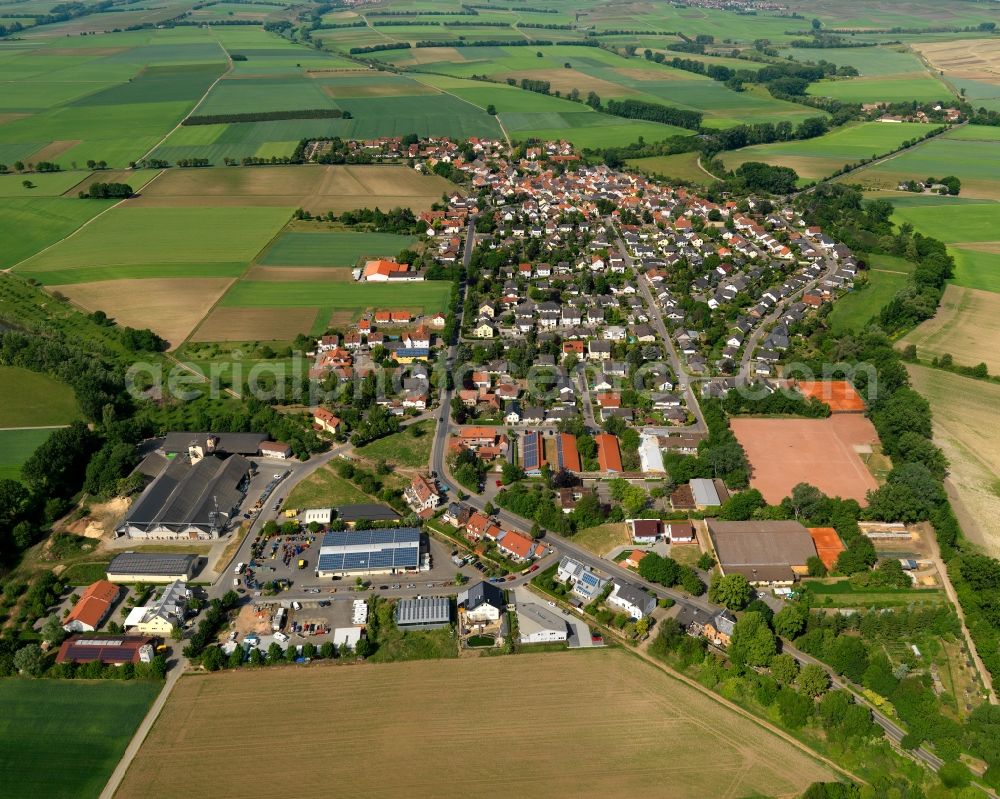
x=766, y=553
x=149, y=567
x=380, y=551
x=194, y=498
x=423, y=613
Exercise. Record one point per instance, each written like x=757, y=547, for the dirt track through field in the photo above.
x=603, y=722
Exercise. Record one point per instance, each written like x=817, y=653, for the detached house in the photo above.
x=422, y=494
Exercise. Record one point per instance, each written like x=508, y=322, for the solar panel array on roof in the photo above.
x=370, y=550
x=151, y=563
x=531, y=454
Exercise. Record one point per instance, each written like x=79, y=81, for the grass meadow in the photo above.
x=886, y=276
x=31, y=399
x=62, y=738
x=410, y=447
x=16, y=446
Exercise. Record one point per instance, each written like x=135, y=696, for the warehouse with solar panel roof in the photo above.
x=380, y=551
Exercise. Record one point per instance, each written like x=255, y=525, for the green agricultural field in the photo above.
x=16, y=446
x=342, y=248
x=44, y=184
x=29, y=225
x=50, y=727
x=820, y=157
x=683, y=166
x=903, y=88
x=262, y=94
x=31, y=399
x=425, y=115
x=977, y=269
x=974, y=133
x=886, y=276
x=156, y=236
x=954, y=223
x=972, y=155
x=869, y=61
x=430, y=296
x=410, y=447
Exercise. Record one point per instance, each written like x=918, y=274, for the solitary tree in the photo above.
x=29, y=660
x=733, y=591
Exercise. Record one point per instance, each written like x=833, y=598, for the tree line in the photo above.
x=268, y=116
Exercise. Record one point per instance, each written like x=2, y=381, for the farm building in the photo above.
x=828, y=545
x=149, y=567
x=532, y=453
x=318, y=515
x=609, y=455
x=705, y=493
x=766, y=553
x=275, y=449
x=115, y=649
x=368, y=511
x=379, y=551
x=537, y=625
x=425, y=613
x=482, y=602
x=93, y=607
x=562, y=452
x=194, y=498
x=183, y=441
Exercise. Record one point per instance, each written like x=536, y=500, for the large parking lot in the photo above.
x=293, y=559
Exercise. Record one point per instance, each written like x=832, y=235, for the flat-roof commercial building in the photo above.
x=650, y=455
x=424, y=613
x=149, y=567
x=379, y=551
x=766, y=553
x=191, y=499
x=116, y=649
x=536, y=625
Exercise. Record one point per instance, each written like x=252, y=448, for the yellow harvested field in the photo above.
x=315, y=187
x=965, y=427
x=963, y=58
x=255, y=324
x=282, y=274
x=592, y=723
x=430, y=55
x=408, y=89
x=565, y=80
x=170, y=307
x=966, y=326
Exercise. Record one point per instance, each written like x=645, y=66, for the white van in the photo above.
x=279, y=636
x=296, y=605
x=239, y=568
x=236, y=582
